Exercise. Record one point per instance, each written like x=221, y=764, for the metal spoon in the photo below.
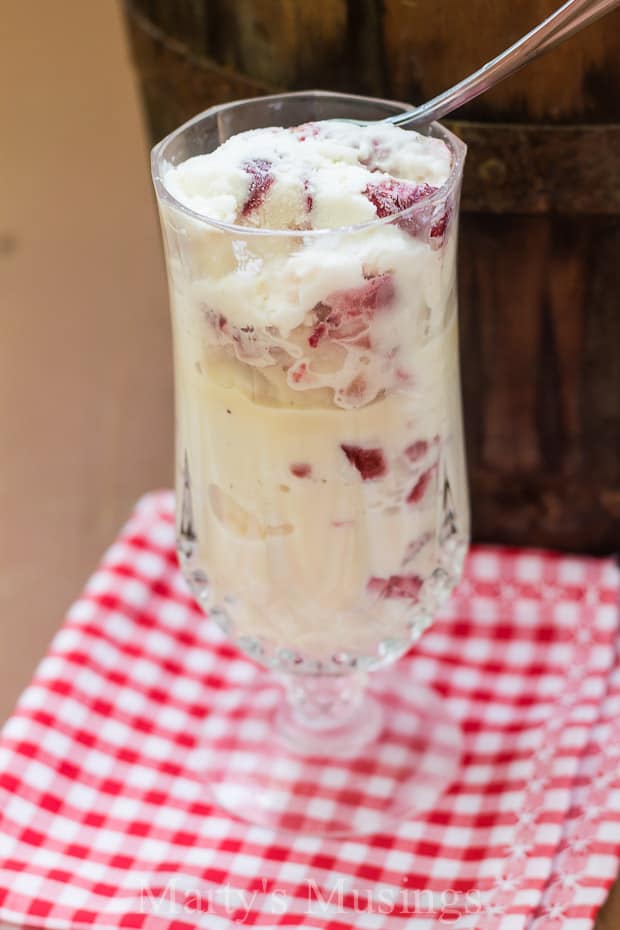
x=568, y=19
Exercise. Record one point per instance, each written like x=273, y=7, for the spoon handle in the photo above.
x=568, y=19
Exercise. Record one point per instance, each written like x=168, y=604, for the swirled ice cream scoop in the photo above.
x=315, y=176
x=307, y=313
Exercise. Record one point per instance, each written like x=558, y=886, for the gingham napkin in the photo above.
x=104, y=817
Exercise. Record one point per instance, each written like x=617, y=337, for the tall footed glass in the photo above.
x=322, y=513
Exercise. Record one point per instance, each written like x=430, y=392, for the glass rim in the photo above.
x=457, y=147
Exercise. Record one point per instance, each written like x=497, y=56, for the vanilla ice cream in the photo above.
x=323, y=505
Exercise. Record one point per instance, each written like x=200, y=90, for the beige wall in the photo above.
x=85, y=395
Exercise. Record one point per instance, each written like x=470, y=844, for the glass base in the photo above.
x=393, y=757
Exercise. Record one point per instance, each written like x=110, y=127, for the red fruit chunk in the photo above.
x=376, y=294
x=416, y=546
x=306, y=131
x=301, y=469
x=356, y=389
x=390, y=197
x=309, y=199
x=345, y=314
x=261, y=180
x=379, y=152
x=216, y=320
x=416, y=450
x=421, y=486
x=396, y=586
x=317, y=334
x=439, y=228
x=298, y=373
x=361, y=342
x=370, y=463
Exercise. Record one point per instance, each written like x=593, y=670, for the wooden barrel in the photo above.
x=540, y=238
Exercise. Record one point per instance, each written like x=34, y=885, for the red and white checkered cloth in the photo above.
x=104, y=819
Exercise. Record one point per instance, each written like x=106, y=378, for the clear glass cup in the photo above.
x=322, y=511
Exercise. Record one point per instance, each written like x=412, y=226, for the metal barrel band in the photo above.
x=530, y=168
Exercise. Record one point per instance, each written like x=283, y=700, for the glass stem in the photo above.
x=324, y=702
x=327, y=714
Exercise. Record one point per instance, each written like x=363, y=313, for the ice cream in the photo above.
x=314, y=176
x=320, y=453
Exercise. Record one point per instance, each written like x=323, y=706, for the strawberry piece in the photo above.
x=317, y=334
x=370, y=463
x=389, y=197
x=361, y=342
x=407, y=586
x=344, y=315
x=416, y=450
x=306, y=131
x=416, y=546
x=439, y=228
x=376, y=294
x=261, y=180
x=301, y=469
x=378, y=154
x=308, y=198
x=217, y=321
x=421, y=486
x=356, y=389
x=298, y=372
